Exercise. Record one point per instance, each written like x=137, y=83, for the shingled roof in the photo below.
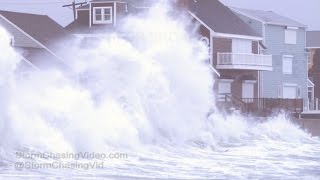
x=220, y=18
x=40, y=27
x=269, y=17
x=43, y=31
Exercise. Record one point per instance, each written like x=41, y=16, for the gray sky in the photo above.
x=304, y=11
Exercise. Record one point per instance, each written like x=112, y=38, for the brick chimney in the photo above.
x=183, y=4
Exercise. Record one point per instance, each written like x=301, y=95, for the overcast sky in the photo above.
x=304, y=11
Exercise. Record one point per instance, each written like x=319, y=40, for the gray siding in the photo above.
x=20, y=39
x=254, y=24
x=275, y=42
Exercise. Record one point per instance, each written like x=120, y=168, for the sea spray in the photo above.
x=146, y=90
x=138, y=90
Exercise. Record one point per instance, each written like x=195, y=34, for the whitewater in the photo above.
x=145, y=92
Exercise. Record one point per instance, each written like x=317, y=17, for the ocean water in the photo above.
x=138, y=105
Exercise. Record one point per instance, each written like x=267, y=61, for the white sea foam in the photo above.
x=148, y=92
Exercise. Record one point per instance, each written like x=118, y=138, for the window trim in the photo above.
x=283, y=58
x=289, y=41
x=102, y=21
x=298, y=89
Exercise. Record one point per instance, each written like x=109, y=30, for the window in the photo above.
x=241, y=46
x=287, y=64
x=291, y=91
x=102, y=15
x=291, y=35
x=225, y=86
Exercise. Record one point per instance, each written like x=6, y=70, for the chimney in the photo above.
x=184, y=4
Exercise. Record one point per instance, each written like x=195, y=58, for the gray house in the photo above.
x=285, y=40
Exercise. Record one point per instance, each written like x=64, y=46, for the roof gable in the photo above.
x=268, y=17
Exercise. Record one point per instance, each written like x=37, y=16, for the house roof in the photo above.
x=44, y=31
x=39, y=58
x=269, y=17
x=220, y=18
x=40, y=27
x=313, y=39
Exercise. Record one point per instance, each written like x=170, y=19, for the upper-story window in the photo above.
x=102, y=15
x=241, y=46
x=291, y=35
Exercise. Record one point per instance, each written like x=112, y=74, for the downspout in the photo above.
x=261, y=73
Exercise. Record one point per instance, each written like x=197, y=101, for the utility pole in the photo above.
x=73, y=5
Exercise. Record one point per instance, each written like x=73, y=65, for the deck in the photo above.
x=315, y=115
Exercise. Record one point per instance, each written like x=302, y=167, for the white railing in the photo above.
x=313, y=105
x=244, y=59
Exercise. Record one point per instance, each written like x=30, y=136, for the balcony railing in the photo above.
x=244, y=61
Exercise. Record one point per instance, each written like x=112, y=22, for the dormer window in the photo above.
x=102, y=15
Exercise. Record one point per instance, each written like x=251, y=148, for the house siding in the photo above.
x=312, y=53
x=275, y=42
x=121, y=11
x=83, y=16
x=220, y=45
x=20, y=39
x=239, y=76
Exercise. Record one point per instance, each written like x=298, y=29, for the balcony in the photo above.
x=244, y=61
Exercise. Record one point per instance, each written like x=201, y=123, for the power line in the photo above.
x=74, y=6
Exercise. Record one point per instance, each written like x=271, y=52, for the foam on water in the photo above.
x=147, y=91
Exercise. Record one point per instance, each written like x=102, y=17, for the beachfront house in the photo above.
x=285, y=40
x=236, y=52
